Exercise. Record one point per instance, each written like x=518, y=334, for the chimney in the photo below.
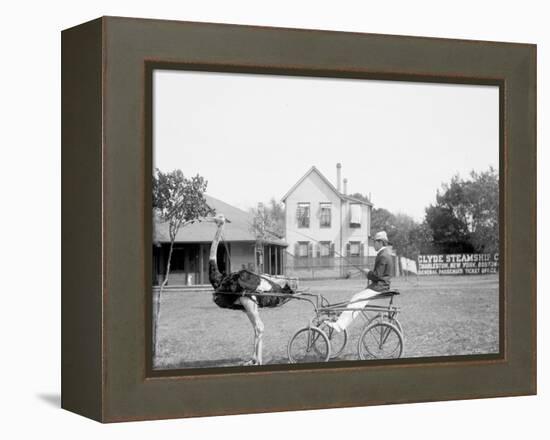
x=345, y=186
x=339, y=177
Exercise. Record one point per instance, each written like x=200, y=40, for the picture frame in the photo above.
x=106, y=224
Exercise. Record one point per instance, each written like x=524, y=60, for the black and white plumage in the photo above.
x=245, y=290
x=229, y=288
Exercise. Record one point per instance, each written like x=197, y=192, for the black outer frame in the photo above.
x=105, y=192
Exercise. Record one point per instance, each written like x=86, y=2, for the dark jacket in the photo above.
x=381, y=274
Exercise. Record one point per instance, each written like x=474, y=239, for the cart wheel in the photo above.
x=308, y=344
x=338, y=340
x=395, y=322
x=380, y=340
x=384, y=318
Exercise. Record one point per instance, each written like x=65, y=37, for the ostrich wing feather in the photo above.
x=264, y=285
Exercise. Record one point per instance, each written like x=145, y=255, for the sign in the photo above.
x=408, y=265
x=457, y=264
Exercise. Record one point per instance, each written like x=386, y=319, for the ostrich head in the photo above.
x=219, y=219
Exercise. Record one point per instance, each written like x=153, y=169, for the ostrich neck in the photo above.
x=214, y=274
x=215, y=243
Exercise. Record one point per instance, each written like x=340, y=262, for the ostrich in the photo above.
x=229, y=289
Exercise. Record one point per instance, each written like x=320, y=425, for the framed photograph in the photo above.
x=300, y=218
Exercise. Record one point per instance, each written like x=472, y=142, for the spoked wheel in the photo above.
x=380, y=340
x=385, y=318
x=338, y=340
x=308, y=345
x=395, y=322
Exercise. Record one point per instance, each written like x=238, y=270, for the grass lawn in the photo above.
x=447, y=315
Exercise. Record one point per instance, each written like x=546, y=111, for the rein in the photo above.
x=336, y=252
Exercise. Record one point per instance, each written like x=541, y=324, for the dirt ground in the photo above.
x=447, y=315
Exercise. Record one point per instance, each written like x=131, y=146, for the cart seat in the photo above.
x=388, y=293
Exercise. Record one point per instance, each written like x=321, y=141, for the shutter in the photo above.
x=332, y=249
x=362, y=249
x=310, y=249
x=318, y=249
x=296, y=250
x=348, y=249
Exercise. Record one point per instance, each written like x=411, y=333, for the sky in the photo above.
x=254, y=136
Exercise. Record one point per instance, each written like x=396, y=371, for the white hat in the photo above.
x=381, y=236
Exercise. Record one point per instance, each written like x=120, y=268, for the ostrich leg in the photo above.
x=251, y=309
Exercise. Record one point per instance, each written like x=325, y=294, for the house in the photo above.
x=239, y=249
x=326, y=230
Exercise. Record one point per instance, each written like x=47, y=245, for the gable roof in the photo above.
x=314, y=169
x=203, y=232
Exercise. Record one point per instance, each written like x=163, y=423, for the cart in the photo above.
x=381, y=337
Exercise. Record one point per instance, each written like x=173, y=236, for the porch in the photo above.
x=189, y=263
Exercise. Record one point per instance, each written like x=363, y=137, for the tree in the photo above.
x=482, y=194
x=465, y=216
x=450, y=234
x=408, y=237
x=382, y=220
x=179, y=201
x=268, y=219
x=421, y=238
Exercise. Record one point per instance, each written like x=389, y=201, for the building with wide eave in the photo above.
x=239, y=248
x=327, y=231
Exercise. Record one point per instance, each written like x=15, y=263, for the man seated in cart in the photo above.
x=379, y=279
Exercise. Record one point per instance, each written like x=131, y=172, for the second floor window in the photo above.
x=302, y=215
x=355, y=215
x=325, y=215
